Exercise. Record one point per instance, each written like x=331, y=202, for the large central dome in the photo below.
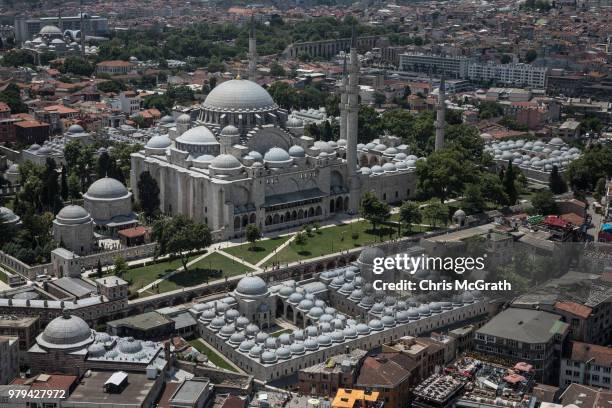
x=239, y=94
x=67, y=331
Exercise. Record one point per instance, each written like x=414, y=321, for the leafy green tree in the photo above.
x=12, y=97
x=600, y=189
x=556, y=182
x=114, y=86
x=17, y=58
x=506, y=59
x=488, y=110
x=379, y=98
x=74, y=185
x=64, y=192
x=148, y=194
x=77, y=66
x=473, y=199
x=369, y=124
x=120, y=266
x=594, y=164
x=444, y=174
x=252, y=235
x=531, y=55
x=104, y=165
x=179, y=235
x=544, y=203
x=99, y=272
x=509, y=184
x=410, y=214
x=436, y=213
x=373, y=210
x=492, y=188
x=300, y=238
x=277, y=70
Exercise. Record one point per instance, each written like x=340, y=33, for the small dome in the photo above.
x=268, y=357
x=297, y=151
x=556, y=141
x=73, y=214
x=231, y=315
x=251, y=330
x=159, y=142
x=246, y=346
x=76, y=129
x=389, y=167
x=261, y=337
x=316, y=312
x=368, y=255
x=286, y=291
x=50, y=30
x=305, y=304
x=375, y=324
x=342, y=143
x=297, y=349
x=96, y=350
x=350, y=332
x=106, y=188
x=390, y=151
x=166, y=119
x=323, y=147
x=294, y=122
x=363, y=328
x=66, y=331
x=225, y=162
x=217, y=323
x=388, y=321
x=283, y=353
x=251, y=286
x=199, y=135
x=311, y=344
x=255, y=351
x=276, y=154
x=295, y=298
x=312, y=331
x=324, y=340
x=236, y=338
x=337, y=336
x=230, y=130
x=271, y=342
x=285, y=339
x=184, y=119
x=227, y=330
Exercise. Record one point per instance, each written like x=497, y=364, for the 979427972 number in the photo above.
x=36, y=394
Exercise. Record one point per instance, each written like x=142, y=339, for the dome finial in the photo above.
x=238, y=77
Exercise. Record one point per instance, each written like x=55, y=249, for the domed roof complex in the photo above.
x=66, y=332
x=107, y=188
x=241, y=95
x=197, y=136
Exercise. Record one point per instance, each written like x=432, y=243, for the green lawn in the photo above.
x=333, y=239
x=212, y=355
x=260, y=250
x=3, y=277
x=143, y=275
x=283, y=331
x=214, y=266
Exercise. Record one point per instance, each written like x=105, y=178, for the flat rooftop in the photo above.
x=91, y=390
x=143, y=321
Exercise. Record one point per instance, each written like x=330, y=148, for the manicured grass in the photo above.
x=3, y=277
x=212, y=355
x=201, y=272
x=143, y=275
x=333, y=239
x=283, y=331
x=260, y=250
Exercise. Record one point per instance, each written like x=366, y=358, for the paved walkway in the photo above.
x=214, y=350
x=239, y=260
x=275, y=251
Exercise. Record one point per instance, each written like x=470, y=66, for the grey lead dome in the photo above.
x=66, y=331
x=252, y=286
x=239, y=94
x=107, y=188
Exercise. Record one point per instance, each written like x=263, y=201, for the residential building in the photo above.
x=349, y=398
x=31, y=131
x=424, y=355
x=583, y=396
x=130, y=102
x=532, y=336
x=326, y=378
x=454, y=67
x=25, y=328
x=587, y=364
x=508, y=74
x=386, y=373
x=114, y=67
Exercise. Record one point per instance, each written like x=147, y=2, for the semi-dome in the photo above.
x=159, y=142
x=73, y=214
x=225, y=162
x=296, y=151
x=239, y=94
x=107, y=188
x=252, y=286
x=368, y=255
x=67, y=331
x=199, y=135
x=7, y=216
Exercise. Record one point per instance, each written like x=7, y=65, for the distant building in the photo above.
x=146, y=326
x=9, y=359
x=587, y=364
x=531, y=336
x=388, y=375
x=326, y=378
x=31, y=131
x=193, y=393
x=349, y=398
x=27, y=28
x=454, y=67
x=114, y=67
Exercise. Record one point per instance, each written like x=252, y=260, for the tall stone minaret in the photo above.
x=343, y=101
x=440, y=112
x=352, y=109
x=252, y=51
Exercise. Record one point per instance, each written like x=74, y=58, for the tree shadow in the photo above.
x=195, y=276
x=304, y=253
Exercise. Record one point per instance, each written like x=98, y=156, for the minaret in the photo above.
x=352, y=108
x=440, y=121
x=343, y=100
x=82, y=31
x=252, y=51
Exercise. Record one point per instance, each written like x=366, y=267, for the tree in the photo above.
x=492, y=188
x=435, y=213
x=473, y=200
x=369, y=124
x=104, y=166
x=509, y=185
x=77, y=66
x=600, y=189
x=99, y=272
x=544, y=203
x=556, y=182
x=12, y=97
x=148, y=194
x=277, y=70
x=17, y=58
x=531, y=55
x=488, y=110
x=410, y=214
x=379, y=98
x=74, y=185
x=506, y=59
x=64, y=192
x=594, y=164
x=252, y=235
x=121, y=266
x=300, y=238
x=179, y=235
x=444, y=174
x=373, y=210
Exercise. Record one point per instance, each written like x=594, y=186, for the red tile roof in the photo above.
x=599, y=354
x=574, y=308
x=47, y=382
x=116, y=63
x=134, y=232
x=30, y=124
x=4, y=107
